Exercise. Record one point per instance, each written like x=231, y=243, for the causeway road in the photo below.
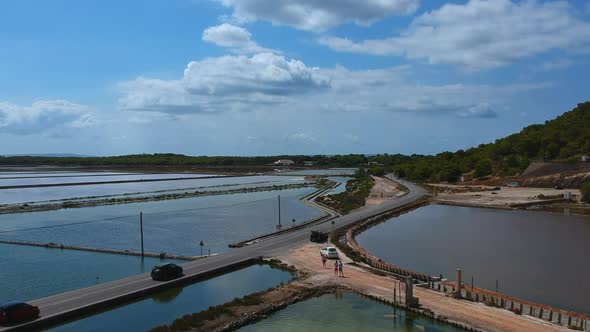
x=71, y=305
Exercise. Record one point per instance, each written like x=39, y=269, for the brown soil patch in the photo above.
x=382, y=190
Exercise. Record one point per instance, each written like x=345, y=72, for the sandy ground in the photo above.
x=478, y=315
x=383, y=189
x=503, y=197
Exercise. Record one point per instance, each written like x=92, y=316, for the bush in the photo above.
x=585, y=190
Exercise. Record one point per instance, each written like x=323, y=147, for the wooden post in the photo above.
x=141, y=231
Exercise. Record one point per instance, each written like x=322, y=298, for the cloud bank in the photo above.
x=42, y=116
x=318, y=15
x=480, y=34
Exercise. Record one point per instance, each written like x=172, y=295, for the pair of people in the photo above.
x=338, y=268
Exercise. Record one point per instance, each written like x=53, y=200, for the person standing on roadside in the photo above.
x=324, y=261
x=340, y=270
x=335, y=268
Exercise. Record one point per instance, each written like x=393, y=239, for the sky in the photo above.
x=267, y=77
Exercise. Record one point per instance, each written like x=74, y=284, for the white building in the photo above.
x=284, y=162
x=586, y=158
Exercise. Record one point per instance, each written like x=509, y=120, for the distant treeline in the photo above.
x=170, y=159
x=566, y=138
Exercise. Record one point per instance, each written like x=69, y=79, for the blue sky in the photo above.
x=258, y=77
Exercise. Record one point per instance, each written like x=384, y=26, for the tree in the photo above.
x=585, y=190
x=483, y=168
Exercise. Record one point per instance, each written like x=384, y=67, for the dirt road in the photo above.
x=477, y=315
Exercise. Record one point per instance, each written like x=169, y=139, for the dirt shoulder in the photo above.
x=504, y=197
x=475, y=315
x=382, y=190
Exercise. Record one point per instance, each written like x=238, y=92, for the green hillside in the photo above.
x=565, y=138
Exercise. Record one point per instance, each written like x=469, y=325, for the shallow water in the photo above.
x=172, y=226
x=91, y=178
x=165, y=307
x=536, y=256
x=11, y=196
x=30, y=273
x=328, y=171
x=343, y=313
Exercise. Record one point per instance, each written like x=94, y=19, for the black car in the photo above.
x=319, y=237
x=166, y=272
x=17, y=312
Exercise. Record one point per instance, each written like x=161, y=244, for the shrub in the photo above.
x=585, y=190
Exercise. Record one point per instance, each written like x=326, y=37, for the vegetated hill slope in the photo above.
x=565, y=138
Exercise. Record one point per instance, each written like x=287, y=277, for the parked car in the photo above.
x=17, y=312
x=166, y=272
x=319, y=237
x=329, y=252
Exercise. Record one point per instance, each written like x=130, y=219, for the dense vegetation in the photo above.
x=355, y=196
x=565, y=138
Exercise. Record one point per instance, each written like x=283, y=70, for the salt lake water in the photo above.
x=343, y=313
x=22, y=195
x=536, y=256
x=172, y=226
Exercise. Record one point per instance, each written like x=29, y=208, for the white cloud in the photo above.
x=270, y=82
x=482, y=110
x=234, y=37
x=480, y=34
x=223, y=84
x=42, y=116
x=318, y=15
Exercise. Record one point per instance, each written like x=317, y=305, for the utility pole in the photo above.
x=141, y=231
x=280, y=226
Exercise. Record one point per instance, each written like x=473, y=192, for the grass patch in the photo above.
x=355, y=196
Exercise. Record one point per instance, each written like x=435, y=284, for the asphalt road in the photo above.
x=72, y=304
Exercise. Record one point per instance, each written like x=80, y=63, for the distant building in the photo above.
x=586, y=158
x=373, y=163
x=284, y=162
x=308, y=163
x=512, y=184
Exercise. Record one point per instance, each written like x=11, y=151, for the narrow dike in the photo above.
x=20, y=208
